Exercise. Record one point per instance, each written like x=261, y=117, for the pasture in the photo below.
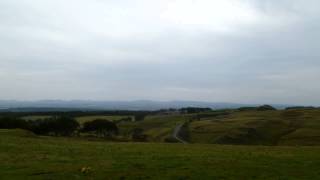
x=26, y=156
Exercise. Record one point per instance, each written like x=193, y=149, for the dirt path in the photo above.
x=176, y=132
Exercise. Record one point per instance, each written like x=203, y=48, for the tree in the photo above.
x=260, y=108
x=247, y=108
x=101, y=127
x=300, y=107
x=266, y=108
x=11, y=122
x=63, y=126
x=41, y=126
x=191, y=110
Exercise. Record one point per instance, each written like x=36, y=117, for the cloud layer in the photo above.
x=246, y=51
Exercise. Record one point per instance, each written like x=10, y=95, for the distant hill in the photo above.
x=60, y=105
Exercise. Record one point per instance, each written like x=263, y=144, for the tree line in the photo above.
x=60, y=126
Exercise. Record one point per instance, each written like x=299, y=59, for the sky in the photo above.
x=241, y=51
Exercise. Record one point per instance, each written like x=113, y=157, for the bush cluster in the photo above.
x=11, y=122
x=101, y=127
x=191, y=110
x=259, y=108
x=60, y=126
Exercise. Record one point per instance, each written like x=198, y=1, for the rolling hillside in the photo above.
x=282, y=127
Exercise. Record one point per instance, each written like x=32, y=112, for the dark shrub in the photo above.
x=13, y=123
x=63, y=126
x=190, y=110
x=247, y=108
x=266, y=108
x=101, y=127
x=66, y=126
x=42, y=126
x=300, y=107
x=260, y=108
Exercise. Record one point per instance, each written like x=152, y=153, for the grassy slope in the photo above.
x=27, y=157
x=291, y=127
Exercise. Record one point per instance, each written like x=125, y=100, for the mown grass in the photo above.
x=26, y=157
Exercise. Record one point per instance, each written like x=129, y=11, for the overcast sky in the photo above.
x=244, y=51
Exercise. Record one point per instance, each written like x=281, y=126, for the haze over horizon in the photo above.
x=239, y=51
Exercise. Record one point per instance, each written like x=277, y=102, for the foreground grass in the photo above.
x=24, y=156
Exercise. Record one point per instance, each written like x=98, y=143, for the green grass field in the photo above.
x=26, y=156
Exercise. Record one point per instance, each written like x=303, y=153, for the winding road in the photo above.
x=176, y=132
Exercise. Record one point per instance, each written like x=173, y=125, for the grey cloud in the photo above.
x=111, y=50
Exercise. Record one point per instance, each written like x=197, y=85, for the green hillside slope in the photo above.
x=285, y=127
